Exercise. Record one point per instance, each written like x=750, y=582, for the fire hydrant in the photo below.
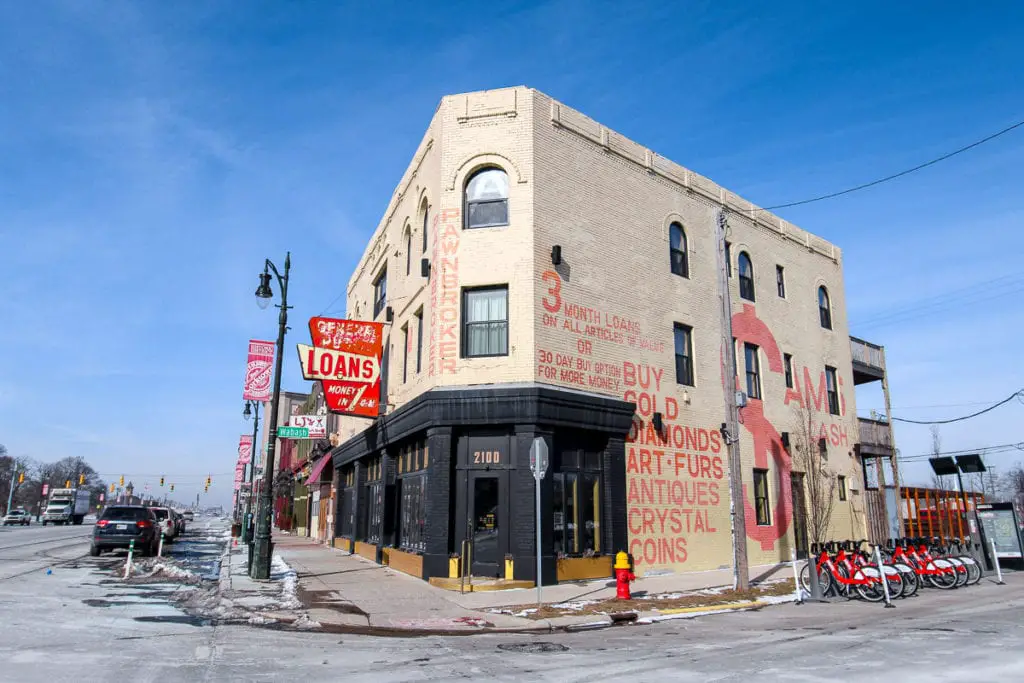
x=623, y=576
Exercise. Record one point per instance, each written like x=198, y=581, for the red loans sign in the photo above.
x=345, y=357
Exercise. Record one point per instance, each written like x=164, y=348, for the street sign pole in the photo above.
x=539, y=466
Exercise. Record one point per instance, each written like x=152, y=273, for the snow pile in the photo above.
x=572, y=605
x=279, y=570
x=304, y=623
x=172, y=571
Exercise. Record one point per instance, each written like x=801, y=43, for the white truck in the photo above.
x=66, y=506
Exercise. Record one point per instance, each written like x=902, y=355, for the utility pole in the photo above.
x=737, y=509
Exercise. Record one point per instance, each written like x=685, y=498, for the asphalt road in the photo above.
x=80, y=619
x=27, y=548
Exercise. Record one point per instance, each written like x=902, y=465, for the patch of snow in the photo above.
x=512, y=613
x=572, y=605
x=661, y=596
x=259, y=620
x=305, y=623
x=289, y=582
x=172, y=571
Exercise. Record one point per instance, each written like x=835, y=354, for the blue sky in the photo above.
x=152, y=154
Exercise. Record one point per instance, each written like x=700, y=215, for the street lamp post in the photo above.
x=260, y=567
x=250, y=408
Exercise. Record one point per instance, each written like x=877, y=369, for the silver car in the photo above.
x=19, y=517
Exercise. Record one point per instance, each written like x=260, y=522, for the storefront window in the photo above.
x=414, y=513
x=577, y=504
x=375, y=511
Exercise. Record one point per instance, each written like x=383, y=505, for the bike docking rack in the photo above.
x=845, y=569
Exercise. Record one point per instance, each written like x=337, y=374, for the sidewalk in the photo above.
x=349, y=592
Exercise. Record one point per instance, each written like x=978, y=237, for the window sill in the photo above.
x=485, y=227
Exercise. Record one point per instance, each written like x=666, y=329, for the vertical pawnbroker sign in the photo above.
x=259, y=370
x=346, y=358
x=245, y=449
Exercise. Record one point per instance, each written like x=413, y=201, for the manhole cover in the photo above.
x=533, y=648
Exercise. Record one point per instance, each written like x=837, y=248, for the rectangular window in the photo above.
x=577, y=513
x=761, y=506
x=684, y=354
x=485, y=322
x=411, y=534
x=405, y=352
x=577, y=502
x=380, y=292
x=419, y=340
x=832, y=387
x=842, y=487
x=787, y=361
x=780, y=280
x=374, y=512
x=750, y=353
x=728, y=259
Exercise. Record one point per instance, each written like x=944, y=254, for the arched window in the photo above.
x=824, y=308
x=746, y=269
x=426, y=223
x=408, y=249
x=487, y=199
x=677, y=250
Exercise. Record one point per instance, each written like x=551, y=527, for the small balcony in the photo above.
x=874, y=437
x=868, y=361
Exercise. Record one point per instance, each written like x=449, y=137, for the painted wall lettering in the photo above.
x=444, y=293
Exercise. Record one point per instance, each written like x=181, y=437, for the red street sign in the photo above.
x=346, y=358
x=46, y=487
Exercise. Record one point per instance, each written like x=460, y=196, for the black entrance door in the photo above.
x=486, y=525
x=796, y=482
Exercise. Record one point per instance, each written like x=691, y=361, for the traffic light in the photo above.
x=208, y=482
x=81, y=479
x=67, y=484
x=122, y=480
x=111, y=487
x=161, y=481
x=21, y=477
x=172, y=488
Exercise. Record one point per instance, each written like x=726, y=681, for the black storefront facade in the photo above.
x=447, y=476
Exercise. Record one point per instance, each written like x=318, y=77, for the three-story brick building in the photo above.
x=543, y=276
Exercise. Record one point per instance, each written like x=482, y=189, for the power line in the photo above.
x=935, y=405
x=886, y=179
x=1016, y=394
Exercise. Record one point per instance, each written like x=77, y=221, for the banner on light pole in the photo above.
x=259, y=370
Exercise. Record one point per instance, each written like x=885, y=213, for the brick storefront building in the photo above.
x=544, y=276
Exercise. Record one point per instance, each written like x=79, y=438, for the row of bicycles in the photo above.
x=848, y=568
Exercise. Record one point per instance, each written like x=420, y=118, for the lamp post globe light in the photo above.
x=259, y=568
x=251, y=408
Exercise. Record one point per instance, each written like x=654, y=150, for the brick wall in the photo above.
x=602, y=320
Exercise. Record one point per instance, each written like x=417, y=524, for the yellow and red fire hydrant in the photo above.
x=623, y=576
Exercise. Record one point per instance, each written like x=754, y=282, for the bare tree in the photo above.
x=936, y=481
x=819, y=480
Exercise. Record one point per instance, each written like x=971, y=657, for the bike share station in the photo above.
x=845, y=569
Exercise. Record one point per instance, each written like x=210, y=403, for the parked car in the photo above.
x=119, y=525
x=179, y=522
x=20, y=517
x=188, y=515
x=165, y=519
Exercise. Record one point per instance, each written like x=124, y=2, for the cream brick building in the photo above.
x=546, y=277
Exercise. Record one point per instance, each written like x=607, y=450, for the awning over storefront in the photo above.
x=314, y=476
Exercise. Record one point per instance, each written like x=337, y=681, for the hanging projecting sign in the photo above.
x=345, y=358
x=259, y=369
x=316, y=424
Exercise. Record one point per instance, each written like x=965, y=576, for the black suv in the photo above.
x=119, y=525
